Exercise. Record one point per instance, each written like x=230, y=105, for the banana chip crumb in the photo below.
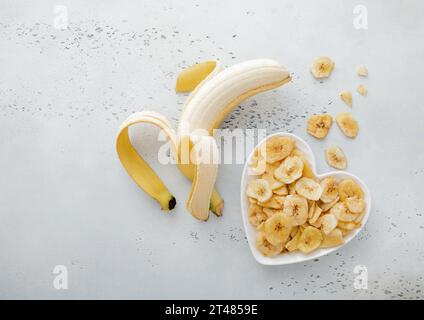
x=346, y=96
x=362, y=90
x=291, y=211
x=347, y=124
x=362, y=71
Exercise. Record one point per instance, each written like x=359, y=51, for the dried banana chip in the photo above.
x=350, y=189
x=329, y=190
x=333, y=239
x=259, y=189
x=277, y=228
x=347, y=124
x=322, y=67
x=319, y=125
x=277, y=148
x=266, y=247
x=362, y=71
x=309, y=240
x=362, y=90
x=296, y=207
x=308, y=188
x=336, y=158
x=346, y=96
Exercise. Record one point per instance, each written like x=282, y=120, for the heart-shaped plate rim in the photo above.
x=295, y=257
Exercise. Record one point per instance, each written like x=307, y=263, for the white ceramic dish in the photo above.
x=294, y=257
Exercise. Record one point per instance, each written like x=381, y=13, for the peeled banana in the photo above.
x=215, y=93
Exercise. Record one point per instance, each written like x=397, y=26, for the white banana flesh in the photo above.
x=222, y=92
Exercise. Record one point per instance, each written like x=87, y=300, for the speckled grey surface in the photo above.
x=65, y=199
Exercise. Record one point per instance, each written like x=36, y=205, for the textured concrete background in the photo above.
x=65, y=199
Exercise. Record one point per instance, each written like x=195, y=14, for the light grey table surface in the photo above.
x=66, y=200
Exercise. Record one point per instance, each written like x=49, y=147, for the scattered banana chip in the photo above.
x=322, y=67
x=293, y=210
x=336, y=158
x=362, y=71
x=319, y=125
x=347, y=124
x=362, y=90
x=346, y=96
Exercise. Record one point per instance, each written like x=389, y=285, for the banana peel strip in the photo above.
x=138, y=169
x=189, y=79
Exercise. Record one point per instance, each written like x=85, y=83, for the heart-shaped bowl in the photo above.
x=296, y=256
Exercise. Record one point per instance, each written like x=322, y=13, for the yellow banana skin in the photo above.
x=190, y=78
x=138, y=168
x=140, y=171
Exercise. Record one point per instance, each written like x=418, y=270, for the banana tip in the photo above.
x=172, y=203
